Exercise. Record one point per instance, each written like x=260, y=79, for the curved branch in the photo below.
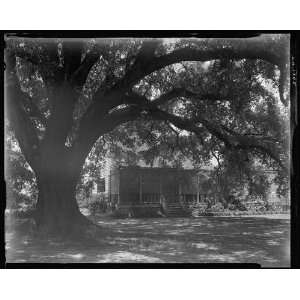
x=147, y=50
x=262, y=47
x=72, y=52
x=145, y=56
x=226, y=135
x=88, y=136
x=35, y=112
x=80, y=75
x=61, y=118
x=143, y=102
x=182, y=92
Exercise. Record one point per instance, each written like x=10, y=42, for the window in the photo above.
x=101, y=185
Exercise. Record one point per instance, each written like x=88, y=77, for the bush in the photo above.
x=218, y=207
x=97, y=204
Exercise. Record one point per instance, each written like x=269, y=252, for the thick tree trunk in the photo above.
x=57, y=211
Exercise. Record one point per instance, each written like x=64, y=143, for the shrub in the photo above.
x=97, y=204
x=218, y=207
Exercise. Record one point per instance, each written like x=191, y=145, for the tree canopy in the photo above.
x=199, y=98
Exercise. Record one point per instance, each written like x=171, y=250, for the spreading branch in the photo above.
x=102, y=116
x=263, y=47
x=144, y=57
x=72, y=52
x=35, y=111
x=21, y=124
x=61, y=118
x=184, y=93
x=88, y=135
x=80, y=75
x=227, y=136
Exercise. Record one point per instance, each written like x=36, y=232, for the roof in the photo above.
x=172, y=169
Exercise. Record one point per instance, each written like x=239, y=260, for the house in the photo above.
x=138, y=189
x=143, y=190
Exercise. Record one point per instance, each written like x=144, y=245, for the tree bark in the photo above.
x=57, y=211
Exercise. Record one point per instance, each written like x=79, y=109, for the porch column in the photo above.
x=179, y=191
x=109, y=186
x=140, y=188
x=198, y=191
x=160, y=188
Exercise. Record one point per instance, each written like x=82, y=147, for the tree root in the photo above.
x=78, y=229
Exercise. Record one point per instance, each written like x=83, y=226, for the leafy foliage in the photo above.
x=222, y=106
x=20, y=180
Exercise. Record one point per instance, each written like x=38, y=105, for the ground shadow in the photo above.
x=168, y=240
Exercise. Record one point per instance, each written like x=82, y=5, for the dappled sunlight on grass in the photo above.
x=76, y=256
x=201, y=240
x=126, y=257
x=204, y=246
x=179, y=231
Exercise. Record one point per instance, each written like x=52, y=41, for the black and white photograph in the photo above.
x=153, y=150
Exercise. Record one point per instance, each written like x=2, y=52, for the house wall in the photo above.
x=140, y=185
x=129, y=186
x=111, y=176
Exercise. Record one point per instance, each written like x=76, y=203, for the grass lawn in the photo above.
x=263, y=240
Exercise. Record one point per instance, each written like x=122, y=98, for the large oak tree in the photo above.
x=63, y=95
